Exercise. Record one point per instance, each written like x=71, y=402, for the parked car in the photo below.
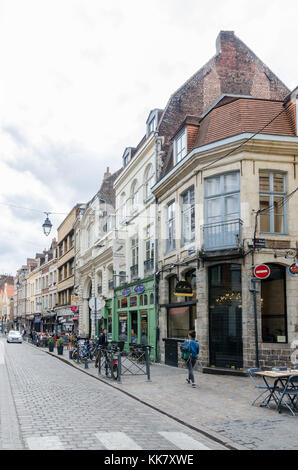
x=14, y=337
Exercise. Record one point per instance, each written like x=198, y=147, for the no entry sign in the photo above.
x=262, y=271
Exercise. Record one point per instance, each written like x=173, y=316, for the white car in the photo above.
x=14, y=337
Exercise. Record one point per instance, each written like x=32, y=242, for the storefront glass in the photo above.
x=225, y=316
x=273, y=306
x=122, y=332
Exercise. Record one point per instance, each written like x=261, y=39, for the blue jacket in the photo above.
x=194, y=348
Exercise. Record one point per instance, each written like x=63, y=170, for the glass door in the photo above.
x=225, y=316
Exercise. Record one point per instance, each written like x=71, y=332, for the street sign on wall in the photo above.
x=261, y=271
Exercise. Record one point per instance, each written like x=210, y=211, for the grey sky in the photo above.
x=79, y=78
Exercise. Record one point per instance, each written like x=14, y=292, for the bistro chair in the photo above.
x=267, y=389
x=291, y=392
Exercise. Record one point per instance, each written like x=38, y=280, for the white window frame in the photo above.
x=180, y=146
x=271, y=194
x=170, y=226
x=187, y=209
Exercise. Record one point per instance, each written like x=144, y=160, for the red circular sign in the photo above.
x=262, y=271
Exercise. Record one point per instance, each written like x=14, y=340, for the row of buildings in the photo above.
x=169, y=242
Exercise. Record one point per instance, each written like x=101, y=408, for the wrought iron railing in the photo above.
x=222, y=235
x=148, y=266
x=134, y=271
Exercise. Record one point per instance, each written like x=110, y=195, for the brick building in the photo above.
x=228, y=178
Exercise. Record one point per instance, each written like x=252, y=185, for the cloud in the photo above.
x=78, y=80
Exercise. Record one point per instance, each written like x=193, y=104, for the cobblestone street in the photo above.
x=53, y=405
x=46, y=404
x=219, y=406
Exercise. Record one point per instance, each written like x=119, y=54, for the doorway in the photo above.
x=225, y=316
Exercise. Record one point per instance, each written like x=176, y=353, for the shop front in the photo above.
x=37, y=323
x=225, y=316
x=134, y=318
x=181, y=314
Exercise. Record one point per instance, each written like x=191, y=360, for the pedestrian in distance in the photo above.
x=189, y=352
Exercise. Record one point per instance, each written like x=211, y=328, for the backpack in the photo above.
x=185, y=350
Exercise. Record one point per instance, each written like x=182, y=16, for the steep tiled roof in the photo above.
x=246, y=115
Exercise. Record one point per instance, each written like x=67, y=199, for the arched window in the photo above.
x=122, y=208
x=134, y=196
x=148, y=181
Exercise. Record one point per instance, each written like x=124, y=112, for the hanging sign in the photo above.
x=184, y=289
x=293, y=269
x=262, y=271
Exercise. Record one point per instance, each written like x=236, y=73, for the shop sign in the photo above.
x=262, y=271
x=260, y=242
x=293, y=269
x=139, y=288
x=184, y=289
x=191, y=251
x=126, y=292
x=74, y=308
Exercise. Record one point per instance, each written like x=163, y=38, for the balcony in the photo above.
x=222, y=236
x=134, y=271
x=148, y=266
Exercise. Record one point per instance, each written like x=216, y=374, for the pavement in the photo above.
x=45, y=404
x=219, y=408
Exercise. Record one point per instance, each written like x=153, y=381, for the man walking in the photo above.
x=194, y=352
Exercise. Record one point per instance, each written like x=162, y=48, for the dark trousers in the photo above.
x=190, y=365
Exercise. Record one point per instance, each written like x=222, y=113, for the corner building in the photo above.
x=227, y=201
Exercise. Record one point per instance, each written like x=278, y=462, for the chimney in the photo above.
x=223, y=39
x=107, y=173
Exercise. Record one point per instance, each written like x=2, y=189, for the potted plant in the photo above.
x=60, y=345
x=51, y=344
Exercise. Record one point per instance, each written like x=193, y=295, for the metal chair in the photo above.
x=267, y=389
x=291, y=392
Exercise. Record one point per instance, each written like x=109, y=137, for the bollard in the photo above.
x=70, y=354
x=86, y=362
x=147, y=363
x=99, y=361
x=119, y=367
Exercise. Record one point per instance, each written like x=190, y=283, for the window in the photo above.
x=180, y=146
x=152, y=125
x=188, y=216
x=122, y=209
x=273, y=306
x=170, y=227
x=148, y=181
x=272, y=187
x=222, y=212
x=89, y=236
x=135, y=251
x=134, y=197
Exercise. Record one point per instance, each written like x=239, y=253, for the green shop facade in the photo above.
x=134, y=315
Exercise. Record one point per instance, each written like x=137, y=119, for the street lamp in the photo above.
x=47, y=224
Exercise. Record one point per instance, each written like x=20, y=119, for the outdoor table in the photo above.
x=280, y=378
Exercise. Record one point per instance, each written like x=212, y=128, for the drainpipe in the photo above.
x=156, y=279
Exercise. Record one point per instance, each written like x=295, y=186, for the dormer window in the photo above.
x=180, y=146
x=126, y=157
x=151, y=122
